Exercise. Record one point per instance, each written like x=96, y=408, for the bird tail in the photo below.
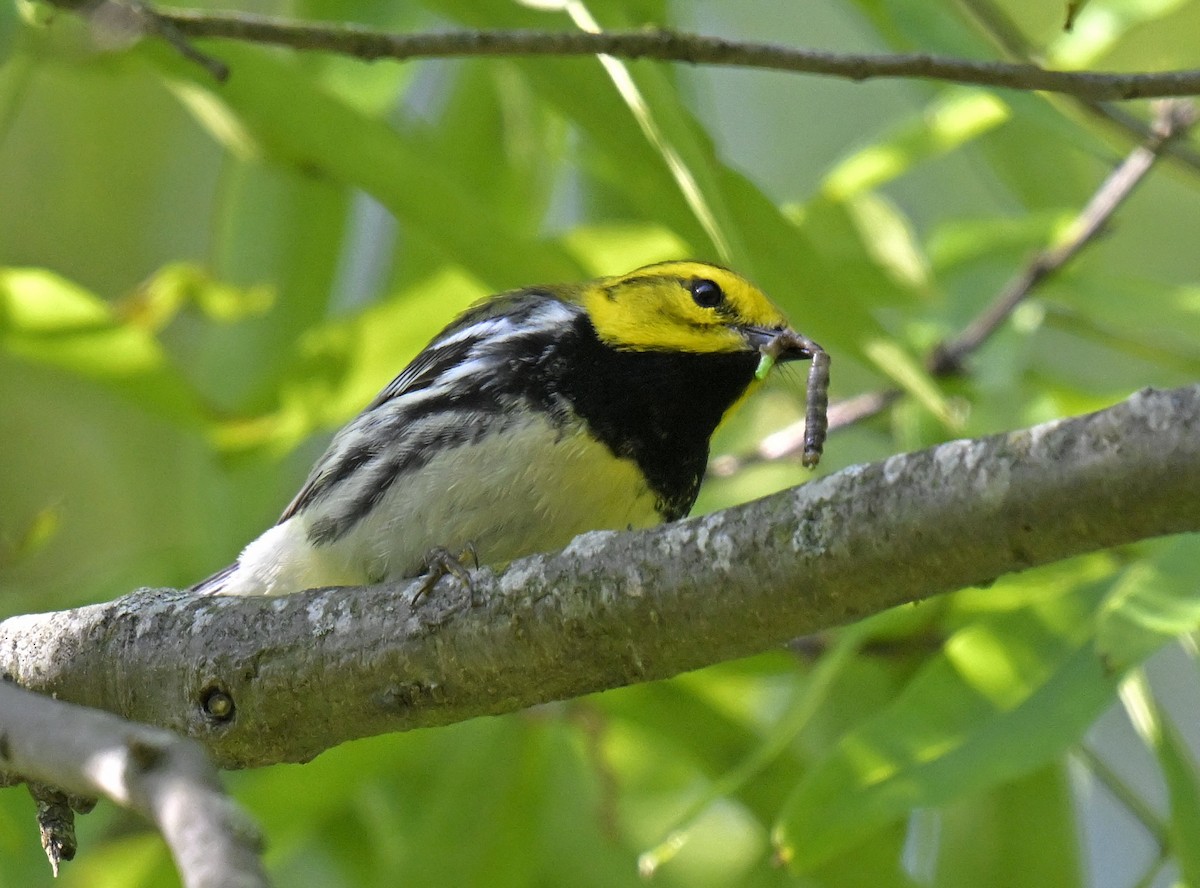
x=214, y=584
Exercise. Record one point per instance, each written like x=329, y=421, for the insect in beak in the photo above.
x=788, y=345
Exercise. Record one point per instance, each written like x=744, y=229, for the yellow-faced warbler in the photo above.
x=535, y=416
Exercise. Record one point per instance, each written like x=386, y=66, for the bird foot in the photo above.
x=441, y=562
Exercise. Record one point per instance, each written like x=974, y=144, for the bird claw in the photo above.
x=441, y=562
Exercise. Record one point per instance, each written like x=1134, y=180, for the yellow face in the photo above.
x=680, y=306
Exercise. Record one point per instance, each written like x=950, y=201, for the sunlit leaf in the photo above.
x=174, y=287
x=1007, y=695
x=47, y=319
x=28, y=539
x=601, y=248
x=1095, y=30
x=1156, y=600
x=951, y=120
x=889, y=237
x=287, y=117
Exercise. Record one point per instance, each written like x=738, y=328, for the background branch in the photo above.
x=618, y=608
x=165, y=778
x=1172, y=121
x=672, y=46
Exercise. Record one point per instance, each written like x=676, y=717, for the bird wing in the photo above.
x=453, y=354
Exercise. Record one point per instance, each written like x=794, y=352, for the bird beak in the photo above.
x=782, y=344
x=787, y=345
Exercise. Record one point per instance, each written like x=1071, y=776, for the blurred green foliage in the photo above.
x=199, y=282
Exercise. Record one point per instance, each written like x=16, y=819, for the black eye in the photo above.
x=707, y=293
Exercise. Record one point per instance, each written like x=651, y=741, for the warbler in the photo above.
x=536, y=415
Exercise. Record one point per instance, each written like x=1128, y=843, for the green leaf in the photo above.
x=1018, y=833
x=602, y=247
x=1156, y=600
x=879, y=861
x=889, y=236
x=807, y=268
x=127, y=861
x=950, y=121
x=181, y=284
x=999, y=243
x=696, y=734
x=272, y=107
x=1183, y=784
x=1178, y=770
x=1162, y=347
x=1074, y=7
x=278, y=225
x=808, y=698
x=36, y=533
x=47, y=319
x=1007, y=695
x=1080, y=45
x=502, y=142
x=909, y=375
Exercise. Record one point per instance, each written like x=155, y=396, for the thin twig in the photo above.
x=1129, y=799
x=1172, y=121
x=162, y=25
x=674, y=46
x=790, y=439
x=1121, y=119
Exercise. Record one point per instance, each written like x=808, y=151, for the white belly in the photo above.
x=530, y=489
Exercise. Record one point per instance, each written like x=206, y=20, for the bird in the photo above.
x=534, y=416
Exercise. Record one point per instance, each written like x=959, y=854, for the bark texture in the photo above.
x=259, y=681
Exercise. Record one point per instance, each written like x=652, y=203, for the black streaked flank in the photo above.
x=455, y=430
x=417, y=428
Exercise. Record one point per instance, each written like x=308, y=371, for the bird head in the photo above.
x=688, y=306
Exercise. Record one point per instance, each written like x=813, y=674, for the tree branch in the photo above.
x=263, y=680
x=163, y=777
x=670, y=46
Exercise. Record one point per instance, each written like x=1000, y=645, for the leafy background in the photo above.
x=200, y=283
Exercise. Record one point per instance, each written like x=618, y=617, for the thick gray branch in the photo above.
x=268, y=680
x=165, y=778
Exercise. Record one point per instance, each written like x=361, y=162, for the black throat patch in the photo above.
x=658, y=408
